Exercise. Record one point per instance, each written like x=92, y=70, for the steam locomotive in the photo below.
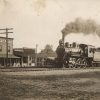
x=77, y=55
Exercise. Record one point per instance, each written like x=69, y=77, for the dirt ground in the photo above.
x=50, y=85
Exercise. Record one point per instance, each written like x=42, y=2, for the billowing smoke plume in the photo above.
x=82, y=26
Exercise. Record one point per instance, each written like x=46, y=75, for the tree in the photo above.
x=48, y=49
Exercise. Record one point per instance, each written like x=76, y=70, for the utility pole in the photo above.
x=6, y=32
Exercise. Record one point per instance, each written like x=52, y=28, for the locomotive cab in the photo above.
x=87, y=50
x=91, y=50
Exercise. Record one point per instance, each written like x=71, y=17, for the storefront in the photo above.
x=27, y=56
x=12, y=61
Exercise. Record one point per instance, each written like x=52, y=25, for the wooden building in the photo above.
x=12, y=59
x=27, y=56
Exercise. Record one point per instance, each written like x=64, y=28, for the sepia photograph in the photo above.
x=49, y=49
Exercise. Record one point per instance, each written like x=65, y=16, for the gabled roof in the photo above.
x=24, y=52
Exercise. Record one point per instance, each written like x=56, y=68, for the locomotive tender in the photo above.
x=77, y=55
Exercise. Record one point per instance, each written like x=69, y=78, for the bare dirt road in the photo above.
x=71, y=84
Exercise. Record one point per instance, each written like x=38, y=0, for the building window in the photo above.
x=0, y=48
x=8, y=48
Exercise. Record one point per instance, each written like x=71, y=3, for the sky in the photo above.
x=41, y=21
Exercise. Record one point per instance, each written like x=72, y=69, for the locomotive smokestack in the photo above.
x=63, y=38
x=81, y=26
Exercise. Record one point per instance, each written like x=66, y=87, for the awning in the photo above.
x=9, y=56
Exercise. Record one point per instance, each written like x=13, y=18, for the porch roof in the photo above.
x=9, y=56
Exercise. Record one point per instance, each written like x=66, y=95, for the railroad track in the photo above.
x=19, y=69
